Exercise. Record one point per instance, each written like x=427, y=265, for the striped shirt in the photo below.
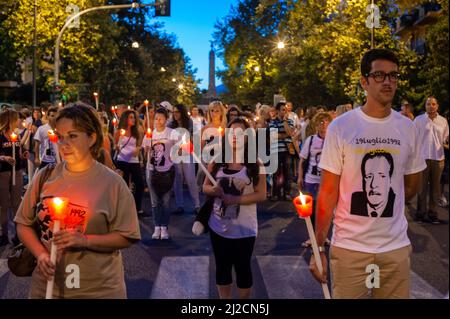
x=276, y=126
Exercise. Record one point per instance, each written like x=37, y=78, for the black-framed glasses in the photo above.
x=380, y=76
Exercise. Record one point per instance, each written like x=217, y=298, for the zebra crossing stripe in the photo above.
x=288, y=277
x=182, y=278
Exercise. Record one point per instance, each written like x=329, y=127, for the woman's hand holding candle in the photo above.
x=57, y=207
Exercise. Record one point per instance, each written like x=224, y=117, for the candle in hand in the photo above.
x=57, y=207
x=13, y=139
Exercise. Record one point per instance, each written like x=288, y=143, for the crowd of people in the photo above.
x=360, y=164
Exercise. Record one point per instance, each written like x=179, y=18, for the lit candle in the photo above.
x=121, y=134
x=189, y=147
x=146, y=113
x=114, y=123
x=13, y=138
x=148, y=134
x=303, y=205
x=129, y=107
x=114, y=112
x=54, y=139
x=96, y=100
x=57, y=207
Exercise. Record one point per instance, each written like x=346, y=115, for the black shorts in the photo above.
x=233, y=252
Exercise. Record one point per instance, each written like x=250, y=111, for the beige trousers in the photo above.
x=358, y=275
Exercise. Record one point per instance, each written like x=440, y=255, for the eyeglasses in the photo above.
x=380, y=76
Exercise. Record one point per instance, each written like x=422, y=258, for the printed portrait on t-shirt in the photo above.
x=158, y=158
x=74, y=218
x=377, y=197
x=315, y=170
x=230, y=186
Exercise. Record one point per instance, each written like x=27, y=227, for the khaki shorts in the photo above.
x=358, y=275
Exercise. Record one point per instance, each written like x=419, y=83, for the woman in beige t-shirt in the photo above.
x=99, y=221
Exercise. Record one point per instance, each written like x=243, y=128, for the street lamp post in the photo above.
x=34, y=54
x=75, y=16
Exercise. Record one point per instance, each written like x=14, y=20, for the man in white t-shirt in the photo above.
x=371, y=164
x=432, y=131
x=44, y=149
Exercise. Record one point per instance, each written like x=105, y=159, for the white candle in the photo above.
x=30, y=171
x=316, y=254
x=58, y=157
x=204, y=169
x=53, y=250
x=14, y=166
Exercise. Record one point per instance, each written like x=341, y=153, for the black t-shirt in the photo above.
x=6, y=150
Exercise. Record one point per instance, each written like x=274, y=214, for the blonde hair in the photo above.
x=223, y=113
x=8, y=119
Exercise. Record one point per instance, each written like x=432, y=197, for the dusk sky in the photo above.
x=192, y=21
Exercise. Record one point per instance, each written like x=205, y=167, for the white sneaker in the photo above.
x=443, y=202
x=164, y=233
x=157, y=233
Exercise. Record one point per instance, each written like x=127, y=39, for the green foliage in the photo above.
x=98, y=55
x=325, y=40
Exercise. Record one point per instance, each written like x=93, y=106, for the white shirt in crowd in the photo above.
x=47, y=151
x=161, y=145
x=370, y=213
x=127, y=145
x=431, y=136
x=294, y=118
x=312, y=176
x=198, y=123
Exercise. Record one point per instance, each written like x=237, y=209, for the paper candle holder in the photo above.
x=303, y=207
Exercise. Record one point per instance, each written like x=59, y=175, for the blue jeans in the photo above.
x=313, y=190
x=160, y=204
x=186, y=172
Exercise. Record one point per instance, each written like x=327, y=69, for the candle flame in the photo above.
x=113, y=109
x=149, y=133
x=114, y=121
x=302, y=198
x=122, y=132
x=220, y=129
x=146, y=102
x=59, y=205
x=13, y=137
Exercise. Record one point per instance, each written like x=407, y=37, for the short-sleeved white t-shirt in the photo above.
x=47, y=151
x=313, y=174
x=370, y=213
